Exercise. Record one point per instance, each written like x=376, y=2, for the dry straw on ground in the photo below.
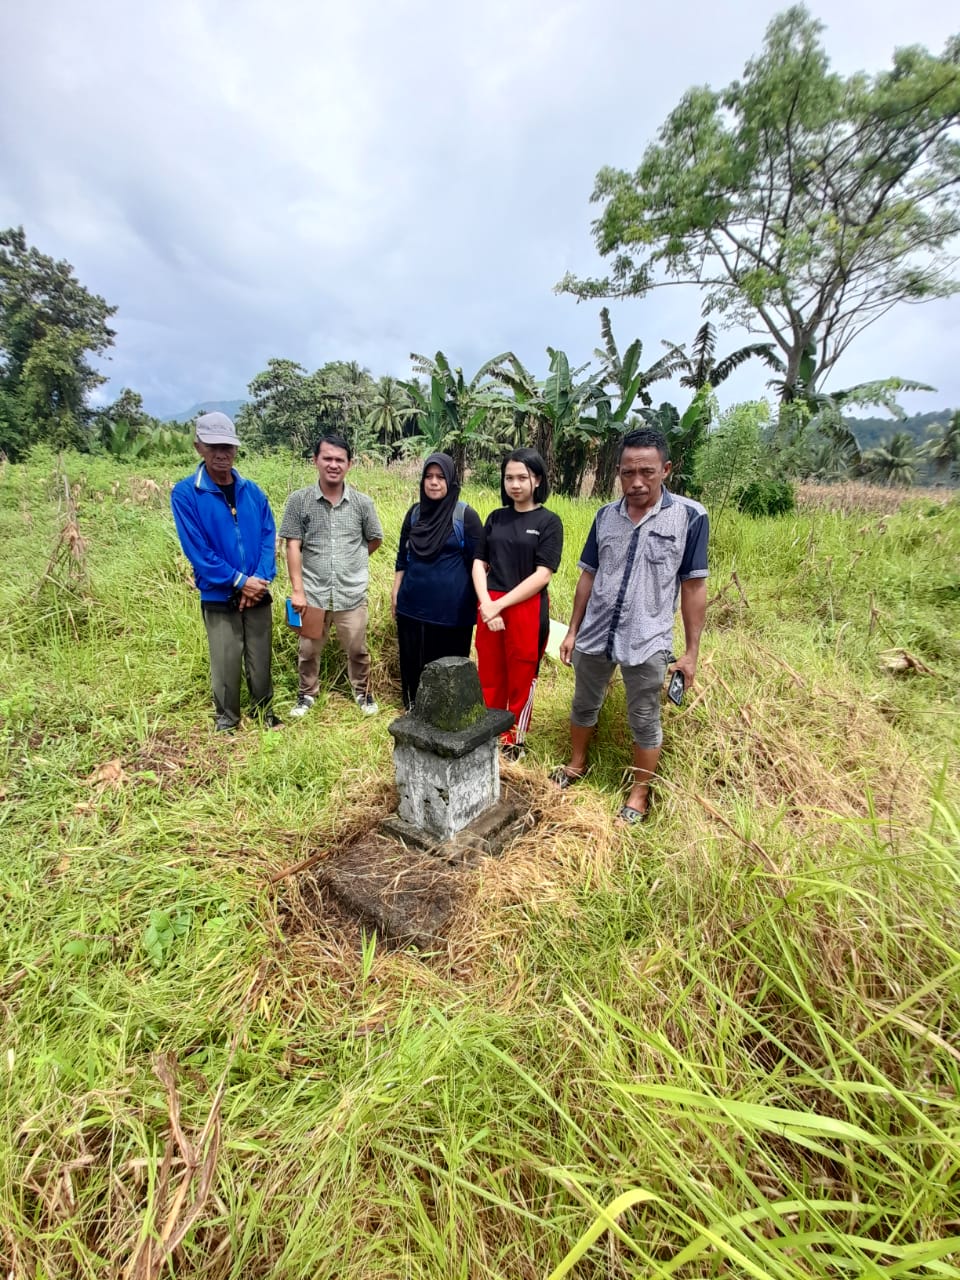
x=851, y=496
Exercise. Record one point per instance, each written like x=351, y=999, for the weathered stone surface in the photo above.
x=449, y=718
x=412, y=731
x=486, y=836
x=449, y=695
x=445, y=753
x=406, y=895
x=441, y=794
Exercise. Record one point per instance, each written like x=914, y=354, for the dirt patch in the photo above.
x=174, y=763
x=395, y=879
x=406, y=895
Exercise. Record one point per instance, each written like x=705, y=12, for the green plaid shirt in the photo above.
x=333, y=544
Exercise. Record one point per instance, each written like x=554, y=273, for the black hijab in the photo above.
x=435, y=522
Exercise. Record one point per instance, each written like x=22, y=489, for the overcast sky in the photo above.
x=361, y=180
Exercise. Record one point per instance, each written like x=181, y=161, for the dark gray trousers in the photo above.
x=241, y=636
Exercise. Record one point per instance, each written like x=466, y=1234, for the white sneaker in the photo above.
x=366, y=703
x=304, y=703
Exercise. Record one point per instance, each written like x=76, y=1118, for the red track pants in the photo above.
x=508, y=661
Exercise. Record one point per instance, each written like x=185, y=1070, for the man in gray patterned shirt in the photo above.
x=331, y=531
x=643, y=554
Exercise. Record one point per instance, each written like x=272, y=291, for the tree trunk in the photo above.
x=606, y=467
x=543, y=443
x=458, y=452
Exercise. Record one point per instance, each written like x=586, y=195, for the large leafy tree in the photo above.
x=806, y=204
x=291, y=407
x=283, y=409
x=50, y=326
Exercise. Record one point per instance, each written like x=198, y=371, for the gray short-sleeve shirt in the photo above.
x=333, y=541
x=637, y=572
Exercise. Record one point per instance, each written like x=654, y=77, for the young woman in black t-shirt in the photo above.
x=518, y=554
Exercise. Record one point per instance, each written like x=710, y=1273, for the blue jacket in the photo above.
x=224, y=549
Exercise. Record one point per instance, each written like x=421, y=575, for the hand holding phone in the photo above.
x=676, y=687
x=294, y=619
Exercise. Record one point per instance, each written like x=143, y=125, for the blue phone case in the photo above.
x=293, y=618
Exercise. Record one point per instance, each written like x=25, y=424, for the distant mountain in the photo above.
x=871, y=432
x=230, y=407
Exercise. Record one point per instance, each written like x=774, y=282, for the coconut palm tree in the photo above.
x=944, y=447
x=390, y=410
x=895, y=462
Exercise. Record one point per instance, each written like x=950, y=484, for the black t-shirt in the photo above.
x=515, y=543
x=229, y=491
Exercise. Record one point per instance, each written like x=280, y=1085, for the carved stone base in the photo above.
x=486, y=836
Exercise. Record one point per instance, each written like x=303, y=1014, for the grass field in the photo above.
x=725, y=1044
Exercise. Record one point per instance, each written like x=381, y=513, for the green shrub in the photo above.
x=766, y=498
x=732, y=456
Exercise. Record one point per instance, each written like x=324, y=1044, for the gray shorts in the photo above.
x=643, y=684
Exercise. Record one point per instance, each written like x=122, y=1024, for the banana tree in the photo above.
x=702, y=366
x=625, y=383
x=429, y=408
x=525, y=393
x=810, y=418
x=685, y=433
x=553, y=416
x=455, y=414
x=569, y=422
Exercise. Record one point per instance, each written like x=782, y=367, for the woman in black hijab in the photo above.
x=433, y=600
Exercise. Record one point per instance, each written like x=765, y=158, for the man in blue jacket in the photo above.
x=228, y=534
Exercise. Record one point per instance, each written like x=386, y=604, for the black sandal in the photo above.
x=631, y=817
x=562, y=779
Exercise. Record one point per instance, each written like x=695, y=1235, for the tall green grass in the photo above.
x=726, y=1044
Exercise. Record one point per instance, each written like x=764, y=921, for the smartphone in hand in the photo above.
x=293, y=617
x=676, y=687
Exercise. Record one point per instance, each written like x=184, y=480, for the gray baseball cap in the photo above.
x=216, y=428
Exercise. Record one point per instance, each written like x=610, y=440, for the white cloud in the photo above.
x=323, y=181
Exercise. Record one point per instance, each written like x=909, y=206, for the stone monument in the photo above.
x=407, y=877
x=445, y=754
